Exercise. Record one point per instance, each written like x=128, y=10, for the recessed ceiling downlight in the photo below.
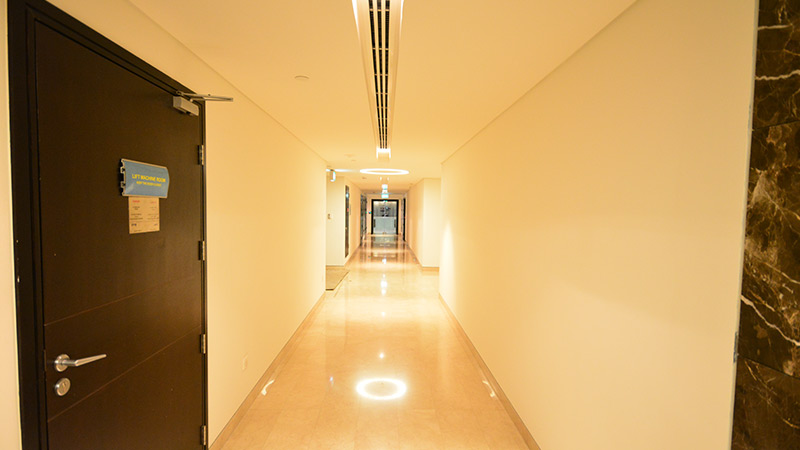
x=385, y=171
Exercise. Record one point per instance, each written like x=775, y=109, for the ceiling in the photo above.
x=460, y=64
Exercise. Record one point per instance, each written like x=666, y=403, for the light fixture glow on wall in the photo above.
x=384, y=195
x=384, y=186
x=383, y=152
x=384, y=171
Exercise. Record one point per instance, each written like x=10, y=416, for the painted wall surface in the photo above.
x=9, y=387
x=424, y=221
x=414, y=225
x=266, y=253
x=767, y=405
x=334, y=223
x=432, y=222
x=335, y=219
x=593, y=233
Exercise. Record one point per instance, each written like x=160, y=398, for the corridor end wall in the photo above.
x=599, y=279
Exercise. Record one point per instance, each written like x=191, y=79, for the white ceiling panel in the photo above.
x=461, y=64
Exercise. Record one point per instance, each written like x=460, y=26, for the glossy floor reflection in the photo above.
x=383, y=333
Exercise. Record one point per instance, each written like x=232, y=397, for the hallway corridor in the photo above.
x=384, y=323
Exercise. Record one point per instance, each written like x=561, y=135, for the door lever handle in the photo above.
x=63, y=362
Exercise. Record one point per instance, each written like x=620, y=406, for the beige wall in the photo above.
x=424, y=221
x=9, y=393
x=265, y=249
x=593, y=233
x=414, y=207
x=334, y=223
x=335, y=218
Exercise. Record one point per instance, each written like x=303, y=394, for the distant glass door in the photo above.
x=384, y=216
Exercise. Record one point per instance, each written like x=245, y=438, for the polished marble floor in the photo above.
x=379, y=367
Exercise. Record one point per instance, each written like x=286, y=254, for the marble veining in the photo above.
x=777, y=83
x=769, y=329
x=766, y=411
x=767, y=399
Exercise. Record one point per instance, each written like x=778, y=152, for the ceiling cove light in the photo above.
x=384, y=171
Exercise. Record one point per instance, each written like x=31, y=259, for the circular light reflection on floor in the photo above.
x=380, y=384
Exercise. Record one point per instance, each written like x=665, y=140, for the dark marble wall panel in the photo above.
x=766, y=413
x=767, y=400
x=769, y=328
x=777, y=84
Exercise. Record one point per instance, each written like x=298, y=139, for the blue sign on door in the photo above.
x=143, y=180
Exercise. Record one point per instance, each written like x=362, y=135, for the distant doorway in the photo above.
x=346, y=221
x=404, y=219
x=384, y=216
x=363, y=217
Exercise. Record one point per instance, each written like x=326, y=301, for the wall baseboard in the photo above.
x=417, y=261
x=273, y=369
x=521, y=428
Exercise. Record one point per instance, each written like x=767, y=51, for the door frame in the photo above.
x=346, y=221
x=404, y=219
x=362, y=233
x=397, y=210
x=22, y=15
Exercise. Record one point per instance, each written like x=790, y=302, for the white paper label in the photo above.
x=143, y=215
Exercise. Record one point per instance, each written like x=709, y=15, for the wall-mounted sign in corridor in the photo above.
x=143, y=180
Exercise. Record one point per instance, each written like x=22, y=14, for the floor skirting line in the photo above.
x=523, y=430
x=269, y=374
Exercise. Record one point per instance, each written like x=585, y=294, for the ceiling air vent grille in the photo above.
x=379, y=45
x=379, y=16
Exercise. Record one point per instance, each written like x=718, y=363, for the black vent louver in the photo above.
x=379, y=28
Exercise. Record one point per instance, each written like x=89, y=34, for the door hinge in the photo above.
x=204, y=435
x=201, y=155
x=735, y=347
x=203, y=344
x=202, y=250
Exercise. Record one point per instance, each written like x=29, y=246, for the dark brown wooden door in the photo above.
x=136, y=297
